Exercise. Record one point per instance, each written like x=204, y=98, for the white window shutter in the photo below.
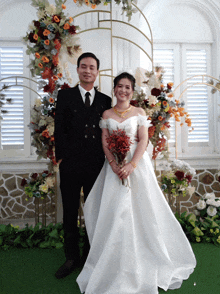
x=12, y=125
x=197, y=96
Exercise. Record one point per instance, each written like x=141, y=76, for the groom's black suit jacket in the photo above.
x=77, y=132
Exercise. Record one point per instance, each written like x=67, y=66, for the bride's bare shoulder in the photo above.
x=107, y=113
x=139, y=110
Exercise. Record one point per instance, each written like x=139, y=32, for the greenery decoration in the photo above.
x=160, y=106
x=200, y=230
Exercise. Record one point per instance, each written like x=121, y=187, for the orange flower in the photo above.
x=162, y=128
x=46, y=32
x=169, y=95
x=56, y=18
x=35, y=37
x=181, y=124
x=170, y=84
x=51, y=100
x=52, y=138
x=162, y=86
x=177, y=101
x=160, y=118
x=93, y=6
x=165, y=103
x=55, y=78
x=63, y=6
x=70, y=19
x=60, y=75
x=87, y=2
x=40, y=65
x=37, y=55
x=57, y=44
x=46, y=42
x=181, y=113
x=74, y=1
x=45, y=59
x=45, y=134
x=66, y=26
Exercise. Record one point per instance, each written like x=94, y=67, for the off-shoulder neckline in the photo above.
x=125, y=119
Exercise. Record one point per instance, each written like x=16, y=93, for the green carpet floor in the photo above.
x=31, y=271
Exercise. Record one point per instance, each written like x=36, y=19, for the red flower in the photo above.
x=34, y=176
x=49, y=88
x=31, y=38
x=155, y=92
x=45, y=172
x=134, y=102
x=23, y=182
x=47, y=74
x=37, y=24
x=72, y=30
x=179, y=175
x=65, y=86
x=189, y=178
x=151, y=131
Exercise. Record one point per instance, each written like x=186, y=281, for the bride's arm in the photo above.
x=110, y=157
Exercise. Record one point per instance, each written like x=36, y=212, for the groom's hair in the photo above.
x=88, y=54
x=125, y=75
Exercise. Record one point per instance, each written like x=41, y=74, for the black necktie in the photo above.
x=87, y=101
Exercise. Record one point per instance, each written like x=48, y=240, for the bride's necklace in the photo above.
x=122, y=113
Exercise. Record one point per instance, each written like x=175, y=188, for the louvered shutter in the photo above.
x=12, y=125
x=197, y=96
x=165, y=58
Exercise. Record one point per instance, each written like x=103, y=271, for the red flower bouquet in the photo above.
x=119, y=145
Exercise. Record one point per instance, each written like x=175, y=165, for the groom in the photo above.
x=78, y=149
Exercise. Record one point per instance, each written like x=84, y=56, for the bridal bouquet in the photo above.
x=119, y=145
x=177, y=180
x=39, y=185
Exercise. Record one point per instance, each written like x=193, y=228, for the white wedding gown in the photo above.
x=137, y=245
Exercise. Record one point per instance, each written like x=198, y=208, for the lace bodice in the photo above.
x=130, y=125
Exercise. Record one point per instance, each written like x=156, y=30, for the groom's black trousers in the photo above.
x=71, y=182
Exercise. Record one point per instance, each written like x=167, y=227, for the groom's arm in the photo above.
x=59, y=132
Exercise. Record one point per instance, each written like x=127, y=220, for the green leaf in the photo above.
x=54, y=234
x=59, y=245
x=45, y=244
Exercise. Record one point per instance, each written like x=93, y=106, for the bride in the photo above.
x=137, y=245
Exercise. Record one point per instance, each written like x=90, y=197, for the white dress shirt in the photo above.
x=83, y=94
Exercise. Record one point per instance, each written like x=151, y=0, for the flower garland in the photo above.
x=160, y=107
x=127, y=5
x=177, y=177
x=39, y=185
x=48, y=38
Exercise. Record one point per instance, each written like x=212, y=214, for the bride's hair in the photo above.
x=125, y=75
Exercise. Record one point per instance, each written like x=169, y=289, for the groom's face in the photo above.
x=87, y=70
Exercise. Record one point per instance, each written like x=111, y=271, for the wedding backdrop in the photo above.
x=110, y=29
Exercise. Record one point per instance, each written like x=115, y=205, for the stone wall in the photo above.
x=205, y=181
x=13, y=204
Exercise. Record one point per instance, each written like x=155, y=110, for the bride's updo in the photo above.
x=125, y=75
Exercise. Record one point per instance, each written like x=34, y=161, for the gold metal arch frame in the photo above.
x=111, y=20
x=203, y=82
x=37, y=209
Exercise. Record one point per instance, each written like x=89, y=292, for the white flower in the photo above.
x=201, y=204
x=190, y=190
x=211, y=211
x=51, y=9
x=50, y=181
x=50, y=128
x=31, y=27
x=43, y=188
x=196, y=212
x=56, y=168
x=38, y=102
x=209, y=196
x=40, y=14
x=152, y=100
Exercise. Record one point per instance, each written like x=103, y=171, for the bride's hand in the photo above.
x=115, y=167
x=125, y=171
